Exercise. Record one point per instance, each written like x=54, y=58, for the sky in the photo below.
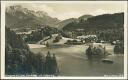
x=64, y=11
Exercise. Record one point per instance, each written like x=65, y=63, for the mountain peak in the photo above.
x=18, y=16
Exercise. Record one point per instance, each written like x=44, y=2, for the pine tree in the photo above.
x=54, y=64
x=48, y=64
x=89, y=51
x=47, y=44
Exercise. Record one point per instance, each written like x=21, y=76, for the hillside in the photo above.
x=65, y=22
x=105, y=21
x=19, y=17
x=19, y=60
x=71, y=20
x=16, y=54
x=15, y=41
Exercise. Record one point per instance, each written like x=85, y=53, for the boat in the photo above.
x=107, y=61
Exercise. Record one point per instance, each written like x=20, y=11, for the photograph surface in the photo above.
x=63, y=39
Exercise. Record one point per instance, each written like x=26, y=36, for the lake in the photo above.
x=72, y=60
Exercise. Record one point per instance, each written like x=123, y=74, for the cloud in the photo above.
x=105, y=11
x=65, y=11
x=99, y=12
x=39, y=7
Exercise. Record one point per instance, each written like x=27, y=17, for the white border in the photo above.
x=3, y=3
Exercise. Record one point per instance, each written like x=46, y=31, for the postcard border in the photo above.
x=68, y=2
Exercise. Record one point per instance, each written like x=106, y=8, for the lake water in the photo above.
x=72, y=61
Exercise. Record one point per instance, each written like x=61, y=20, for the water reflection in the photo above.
x=94, y=59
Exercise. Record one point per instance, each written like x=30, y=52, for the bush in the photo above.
x=119, y=49
x=57, y=39
x=96, y=51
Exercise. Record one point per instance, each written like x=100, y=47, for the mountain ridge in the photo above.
x=105, y=21
x=17, y=16
x=70, y=20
